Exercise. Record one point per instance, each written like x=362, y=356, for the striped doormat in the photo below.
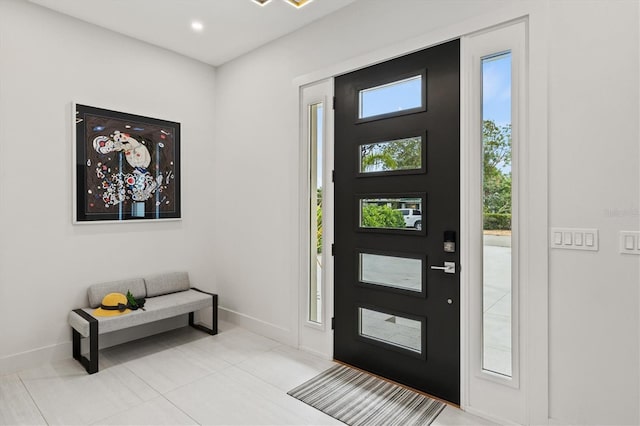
x=360, y=399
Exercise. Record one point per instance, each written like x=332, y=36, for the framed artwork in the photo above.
x=127, y=167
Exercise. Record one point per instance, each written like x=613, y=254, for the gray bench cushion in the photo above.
x=166, y=283
x=97, y=292
x=157, y=308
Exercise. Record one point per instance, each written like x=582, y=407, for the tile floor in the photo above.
x=183, y=377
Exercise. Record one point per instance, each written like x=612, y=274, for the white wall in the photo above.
x=47, y=61
x=594, y=183
x=593, y=139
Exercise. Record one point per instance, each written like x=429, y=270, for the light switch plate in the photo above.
x=574, y=239
x=630, y=242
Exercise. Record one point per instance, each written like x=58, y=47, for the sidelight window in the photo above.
x=316, y=112
x=497, y=213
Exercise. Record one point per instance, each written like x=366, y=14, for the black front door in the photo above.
x=397, y=218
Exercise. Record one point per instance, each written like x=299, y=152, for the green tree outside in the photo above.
x=496, y=185
x=375, y=216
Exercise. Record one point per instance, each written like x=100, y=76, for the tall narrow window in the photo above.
x=496, y=210
x=315, y=191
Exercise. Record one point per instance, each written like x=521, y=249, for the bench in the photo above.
x=167, y=295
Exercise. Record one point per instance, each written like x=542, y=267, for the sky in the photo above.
x=320, y=139
x=397, y=96
x=496, y=89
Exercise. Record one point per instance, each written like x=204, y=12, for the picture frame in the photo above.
x=126, y=167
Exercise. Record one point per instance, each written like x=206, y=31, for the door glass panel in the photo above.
x=399, y=154
x=394, y=330
x=391, y=213
x=396, y=97
x=497, y=203
x=391, y=271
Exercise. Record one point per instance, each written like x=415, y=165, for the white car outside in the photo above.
x=412, y=218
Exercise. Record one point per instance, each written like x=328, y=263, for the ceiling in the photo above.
x=231, y=27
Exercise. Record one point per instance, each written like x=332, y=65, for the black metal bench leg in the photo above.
x=214, y=317
x=76, y=344
x=90, y=364
x=93, y=348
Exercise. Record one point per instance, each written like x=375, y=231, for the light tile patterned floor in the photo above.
x=183, y=377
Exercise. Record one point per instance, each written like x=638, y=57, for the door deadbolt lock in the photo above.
x=448, y=268
x=449, y=241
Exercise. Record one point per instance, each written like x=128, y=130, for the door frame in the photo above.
x=533, y=262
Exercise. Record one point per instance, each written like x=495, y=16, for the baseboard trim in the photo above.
x=489, y=417
x=258, y=326
x=33, y=357
x=328, y=356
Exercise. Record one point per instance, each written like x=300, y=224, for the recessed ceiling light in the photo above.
x=298, y=3
x=262, y=2
x=197, y=26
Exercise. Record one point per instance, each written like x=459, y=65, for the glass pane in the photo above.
x=391, y=213
x=393, y=97
x=315, y=149
x=394, y=330
x=391, y=271
x=496, y=189
x=399, y=154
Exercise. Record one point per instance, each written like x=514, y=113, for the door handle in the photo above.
x=448, y=268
